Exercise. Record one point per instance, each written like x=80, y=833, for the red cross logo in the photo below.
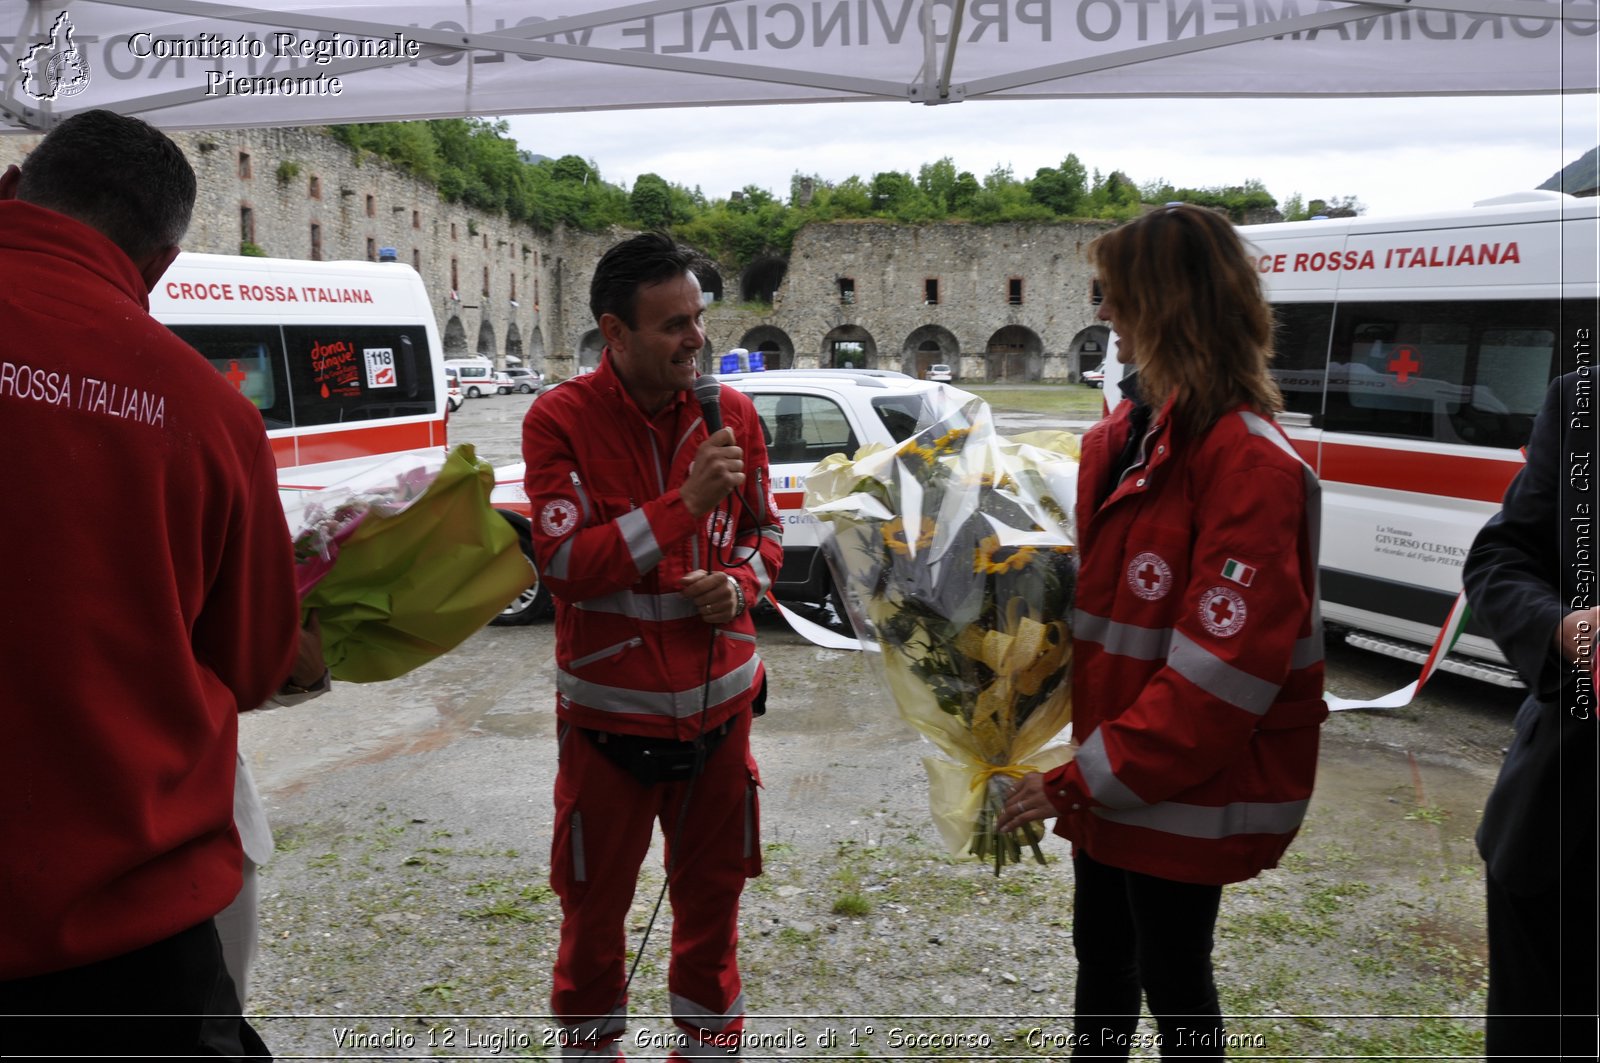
x=1149, y=576
x=1222, y=612
x=1404, y=365
x=558, y=517
x=236, y=376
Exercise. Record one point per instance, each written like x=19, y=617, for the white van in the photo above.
x=1413, y=354
x=343, y=359
x=478, y=376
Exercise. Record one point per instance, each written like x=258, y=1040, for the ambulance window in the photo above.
x=1470, y=372
x=1300, y=356
x=344, y=373
x=250, y=357
x=803, y=428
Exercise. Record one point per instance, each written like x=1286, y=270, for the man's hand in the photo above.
x=1577, y=635
x=309, y=667
x=718, y=469
x=713, y=594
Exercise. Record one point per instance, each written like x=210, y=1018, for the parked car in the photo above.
x=523, y=381
x=806, y=415
x=940, y=373
x=454, y=396
x=1096, y=377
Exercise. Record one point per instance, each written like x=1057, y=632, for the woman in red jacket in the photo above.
x=1197, y=687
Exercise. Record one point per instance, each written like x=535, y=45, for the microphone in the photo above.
x=709, y=394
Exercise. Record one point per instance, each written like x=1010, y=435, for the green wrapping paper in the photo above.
x=409, y=586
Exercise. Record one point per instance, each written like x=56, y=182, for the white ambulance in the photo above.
x=1413, y=354
x=343, y=359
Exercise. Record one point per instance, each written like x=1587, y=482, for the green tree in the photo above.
x=651, y=201
x=1064, y=189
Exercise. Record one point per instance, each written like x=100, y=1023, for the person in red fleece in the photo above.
x=655, y=535
x=149, y=597
x=1197, y=671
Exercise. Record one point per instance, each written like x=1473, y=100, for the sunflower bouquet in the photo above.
x=955, y=555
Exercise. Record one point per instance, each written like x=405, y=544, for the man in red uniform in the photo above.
x=655, y=537
x=149, y=597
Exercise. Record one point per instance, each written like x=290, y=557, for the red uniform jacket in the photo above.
x=1197, y=682
x=612, y=537
x=148, y=596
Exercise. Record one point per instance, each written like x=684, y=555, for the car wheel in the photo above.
x=533, y=603
x=473, y=393
x=525, y=389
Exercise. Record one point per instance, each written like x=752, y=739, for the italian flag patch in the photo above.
x=1239, y=572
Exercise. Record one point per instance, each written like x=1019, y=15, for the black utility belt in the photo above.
x=656, y=760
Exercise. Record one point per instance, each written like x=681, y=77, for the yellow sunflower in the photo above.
x=896, y=539
x=993, y=559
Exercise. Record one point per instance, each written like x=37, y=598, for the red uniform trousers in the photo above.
x=604, y=822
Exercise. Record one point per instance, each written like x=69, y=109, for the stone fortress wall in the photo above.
x=992, y=302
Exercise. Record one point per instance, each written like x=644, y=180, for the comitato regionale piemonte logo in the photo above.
x=55, y=69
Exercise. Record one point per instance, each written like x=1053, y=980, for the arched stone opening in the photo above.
x=928, y=346
x=777, y=349
x=1088, y=349
x=455, y=338
x=514, y=355
x=761, y=279
x=1014, y=353
x=589, y=349
x=710, y=282
x=848, y=347
x=486, y=346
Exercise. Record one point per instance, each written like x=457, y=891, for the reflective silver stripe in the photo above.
x=758, y=568
x=701, y=1017
x=1104, y=786
x=674, y=703
x=609, y=651
x=1260, y=427
x=1219, y=678
x=560, y=560
x=1307, y=651
x=737, y=636
x=574, y=1036
x=1125, y=640
x=642, y=545
x=670, y=606
x=773, y=535
x=1209, y=821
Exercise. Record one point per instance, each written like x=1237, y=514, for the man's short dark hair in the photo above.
x=118, y=174
x=639, y=262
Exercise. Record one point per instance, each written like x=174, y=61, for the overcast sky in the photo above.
x=1394, y=155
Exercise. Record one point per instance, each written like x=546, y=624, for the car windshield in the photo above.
x=905, y=415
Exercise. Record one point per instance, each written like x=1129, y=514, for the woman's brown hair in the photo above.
x=1185, y=292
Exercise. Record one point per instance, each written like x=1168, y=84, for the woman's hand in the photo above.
x=1026, y=804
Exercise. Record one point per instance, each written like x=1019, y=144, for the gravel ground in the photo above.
x=407, y=913
x=409, y=894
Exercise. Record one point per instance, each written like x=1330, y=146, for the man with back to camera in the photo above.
x=149, y=597
x=655, y=537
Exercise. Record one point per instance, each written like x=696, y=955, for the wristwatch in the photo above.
x=738, y=594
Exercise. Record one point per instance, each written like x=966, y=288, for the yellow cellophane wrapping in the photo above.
x=949, y=547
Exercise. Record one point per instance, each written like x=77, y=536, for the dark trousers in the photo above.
x=172, y=998
x=1542, y=959
x=1141, y=935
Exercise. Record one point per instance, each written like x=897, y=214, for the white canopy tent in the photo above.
x=189, y=64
